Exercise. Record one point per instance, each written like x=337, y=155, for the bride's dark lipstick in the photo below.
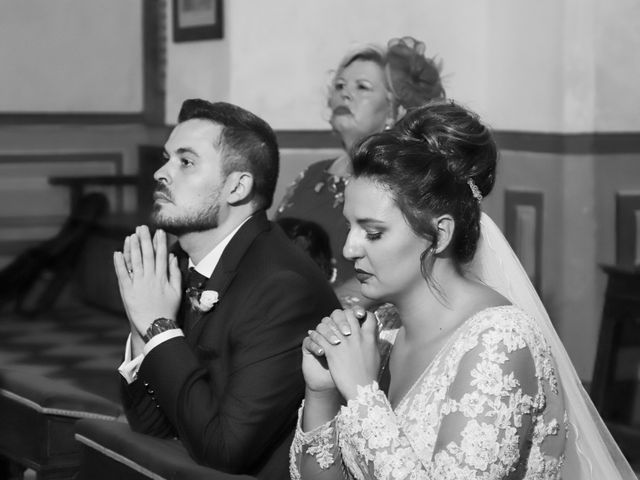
x=362, y=275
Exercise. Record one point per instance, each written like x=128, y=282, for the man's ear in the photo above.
x=240, y=187
x=445, y=226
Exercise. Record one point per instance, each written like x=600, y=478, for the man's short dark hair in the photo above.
x=247, y=143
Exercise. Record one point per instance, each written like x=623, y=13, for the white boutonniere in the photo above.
x=202, y=300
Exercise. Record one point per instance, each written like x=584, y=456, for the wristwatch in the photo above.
x=159, y=325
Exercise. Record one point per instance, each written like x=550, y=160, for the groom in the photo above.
x=214, y=355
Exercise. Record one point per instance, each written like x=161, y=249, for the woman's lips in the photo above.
x=362, y=275
x=341, y=110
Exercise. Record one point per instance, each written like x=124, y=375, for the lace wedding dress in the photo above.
x=500, y=401
x=489, y=394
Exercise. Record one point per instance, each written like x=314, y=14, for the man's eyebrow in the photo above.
x=183, y=150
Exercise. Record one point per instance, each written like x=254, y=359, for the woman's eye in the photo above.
x=186, y=162
x=338, y=86
x=374, y=235
x=364, y=86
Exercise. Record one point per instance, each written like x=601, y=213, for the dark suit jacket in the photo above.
x=230, y=389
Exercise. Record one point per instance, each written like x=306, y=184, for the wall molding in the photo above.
x=114, y=157
x=535, y=142
x=569, y=143
x=50, y=118
x=307, y=139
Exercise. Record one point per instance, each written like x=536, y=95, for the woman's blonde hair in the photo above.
x=411, y=78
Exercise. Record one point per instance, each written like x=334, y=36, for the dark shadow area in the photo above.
x=33, y=281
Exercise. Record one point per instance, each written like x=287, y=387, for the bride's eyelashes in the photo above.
x=373, y=236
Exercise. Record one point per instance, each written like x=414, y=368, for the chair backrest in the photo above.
x=58, y=252
x=84, y=215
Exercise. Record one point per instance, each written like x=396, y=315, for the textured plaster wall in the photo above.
x=71, y=56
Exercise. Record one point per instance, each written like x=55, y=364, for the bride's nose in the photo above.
x=351, y=249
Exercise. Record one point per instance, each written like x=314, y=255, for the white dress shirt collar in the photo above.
x=208, y=264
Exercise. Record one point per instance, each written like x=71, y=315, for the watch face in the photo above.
x=158, y=326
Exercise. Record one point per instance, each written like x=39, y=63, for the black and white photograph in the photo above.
x=319, y=240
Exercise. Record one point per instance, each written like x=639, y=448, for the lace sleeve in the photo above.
x=319, y=444
x=487, y=415
x=483, y=424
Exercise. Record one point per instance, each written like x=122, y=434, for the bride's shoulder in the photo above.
x=506, y=316
x=507, y=322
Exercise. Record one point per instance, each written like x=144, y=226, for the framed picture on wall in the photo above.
x=523, y=230
x=628, y=229
x=197, y=20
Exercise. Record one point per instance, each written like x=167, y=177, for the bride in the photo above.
x=473, y=381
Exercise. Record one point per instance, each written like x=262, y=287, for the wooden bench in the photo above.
x=37, y=415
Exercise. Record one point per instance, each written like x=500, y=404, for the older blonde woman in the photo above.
x=371, y=89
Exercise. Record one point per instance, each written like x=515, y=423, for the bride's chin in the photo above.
x=368, y=292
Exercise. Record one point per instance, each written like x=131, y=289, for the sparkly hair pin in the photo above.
x=475, y=191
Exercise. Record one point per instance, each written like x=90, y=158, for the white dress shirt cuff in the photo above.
x=161, y=338
x=129, y=367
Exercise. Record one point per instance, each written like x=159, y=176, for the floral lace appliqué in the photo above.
x=319, y=443
x=467, y=415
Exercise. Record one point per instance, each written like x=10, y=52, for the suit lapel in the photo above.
x=226, y=270
x=183, y=265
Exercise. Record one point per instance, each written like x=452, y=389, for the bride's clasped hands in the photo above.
x=342, y=353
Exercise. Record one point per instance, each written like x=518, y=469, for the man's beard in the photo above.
x=206, y=218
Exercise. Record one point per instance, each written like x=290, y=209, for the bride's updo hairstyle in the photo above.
x=439, y=159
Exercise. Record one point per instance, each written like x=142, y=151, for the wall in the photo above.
x=295, y=45
x=523, y=61
x=617, y=40
x=71, y=56
x=194, y=69
x=544, y=66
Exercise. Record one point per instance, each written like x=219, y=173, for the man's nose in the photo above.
x=161, y=174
